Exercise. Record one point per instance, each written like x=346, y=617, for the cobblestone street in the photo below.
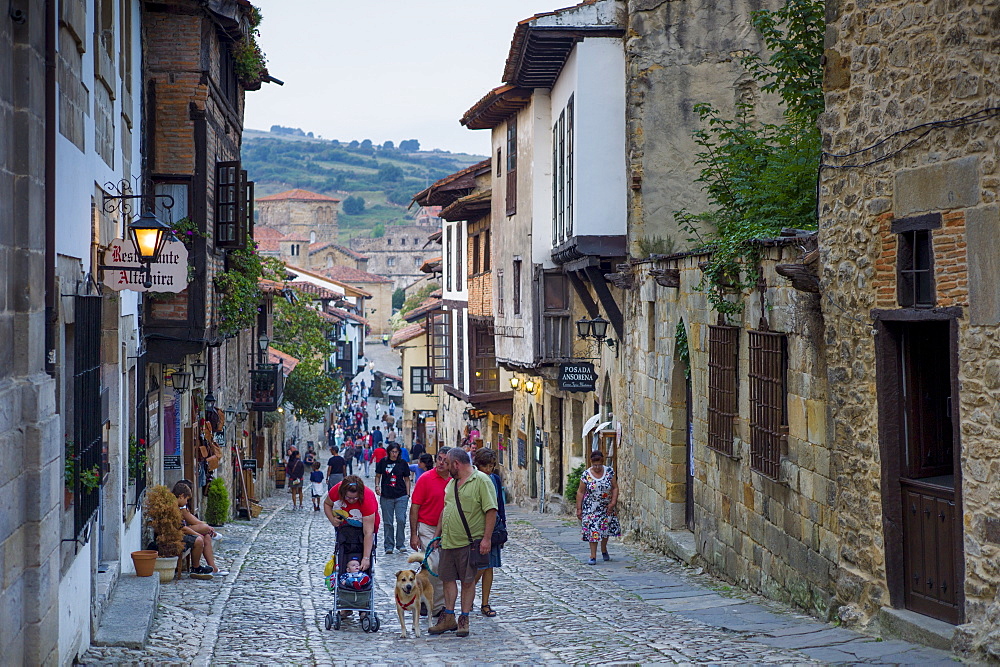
x=552, y=608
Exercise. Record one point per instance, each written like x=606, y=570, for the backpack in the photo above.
x=367, y=453
x=349, y=453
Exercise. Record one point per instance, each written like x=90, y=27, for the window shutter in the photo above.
x=439, y=347
x=229, y=204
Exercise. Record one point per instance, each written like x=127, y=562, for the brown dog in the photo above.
x=412, y=588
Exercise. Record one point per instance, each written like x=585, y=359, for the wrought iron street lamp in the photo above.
x=515, y=383
x=230, y=414
x=198, y=370
x=596, y=329
x=530, y=386
x=181, y=380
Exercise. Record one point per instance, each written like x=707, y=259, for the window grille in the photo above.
x=487, y=250
x=768, y=401
x=446, y=264
x=915, y=265
x=439, y=346
x=88, y=469
x=460, y=349
x=569, y=167
x=722, y=388
x=475, y=253
x=459, y=263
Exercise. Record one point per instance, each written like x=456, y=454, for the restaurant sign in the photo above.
x=124, y=271
x=578, y=376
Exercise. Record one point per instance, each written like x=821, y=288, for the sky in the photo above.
x=389, y=70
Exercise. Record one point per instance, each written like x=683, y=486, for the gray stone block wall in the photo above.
x=30, y=470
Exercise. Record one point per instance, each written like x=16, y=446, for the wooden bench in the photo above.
x=183, y=563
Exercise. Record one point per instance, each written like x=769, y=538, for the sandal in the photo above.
x=488, y=611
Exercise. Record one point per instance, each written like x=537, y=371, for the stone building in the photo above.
x=679, y=54
x=910, y=236
x=725, y=450
x=301, y=214
x=30, y=428
x=377, y=308
x=399, y=253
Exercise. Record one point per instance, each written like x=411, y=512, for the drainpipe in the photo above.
x=50, y=187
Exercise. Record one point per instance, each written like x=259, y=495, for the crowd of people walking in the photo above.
x=452, y=502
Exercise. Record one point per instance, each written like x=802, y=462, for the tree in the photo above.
x=311, y=391
x=761, y=177
x=378, y=231
x=400, y=195
x=353, y=144
x=409, y=146
x=390, y=173
x=418, y=297
x=398, y=297
x=354, y=205
x=388, y=146
x=366, y=144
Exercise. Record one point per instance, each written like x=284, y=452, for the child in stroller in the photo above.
x=352, y=587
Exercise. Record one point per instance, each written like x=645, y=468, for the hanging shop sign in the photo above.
x=579, y=376
x=125, y=272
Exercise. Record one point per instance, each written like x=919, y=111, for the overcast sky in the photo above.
x=389, y=70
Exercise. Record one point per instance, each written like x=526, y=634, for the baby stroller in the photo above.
x=350, y=543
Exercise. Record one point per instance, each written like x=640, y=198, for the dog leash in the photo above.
x=427, y=554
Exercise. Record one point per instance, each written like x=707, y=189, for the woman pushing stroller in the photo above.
x=351, y=503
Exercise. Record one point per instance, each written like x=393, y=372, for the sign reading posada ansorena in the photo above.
x=168, y=274
x=578, y=376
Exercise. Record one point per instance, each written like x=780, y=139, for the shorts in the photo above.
x=454, y=566
x=189, y=541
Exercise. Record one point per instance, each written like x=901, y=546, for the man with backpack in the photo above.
x=349, y=453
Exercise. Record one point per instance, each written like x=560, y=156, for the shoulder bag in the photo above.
x=499, y=537
x=476, y=560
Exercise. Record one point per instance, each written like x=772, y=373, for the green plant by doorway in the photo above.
x=217, y=503
x=573, y=481
x=681, y=348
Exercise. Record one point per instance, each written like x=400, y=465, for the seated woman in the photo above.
x=197, y=535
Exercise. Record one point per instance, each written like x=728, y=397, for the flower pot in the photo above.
x=167, y=568
x=145, y=562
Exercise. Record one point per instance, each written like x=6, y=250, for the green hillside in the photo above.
x=384, y=177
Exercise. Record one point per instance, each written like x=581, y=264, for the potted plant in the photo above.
x=164, y=516
x=217, y=505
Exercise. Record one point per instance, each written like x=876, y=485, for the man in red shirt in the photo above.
x=378, y=454
x=426, y=505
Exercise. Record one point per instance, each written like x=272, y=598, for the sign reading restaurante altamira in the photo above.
x=168, y=273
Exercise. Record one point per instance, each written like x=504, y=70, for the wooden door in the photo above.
x=927, y=479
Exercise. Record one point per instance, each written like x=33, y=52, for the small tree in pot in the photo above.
x=217, y=506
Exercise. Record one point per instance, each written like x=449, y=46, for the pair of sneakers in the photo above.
x=206, y=572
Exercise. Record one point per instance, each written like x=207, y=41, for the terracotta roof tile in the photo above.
x=421, y=311
x=298, y=194
x=319, y=246
x=287, y=361
x=407, y=333
x=316, y=290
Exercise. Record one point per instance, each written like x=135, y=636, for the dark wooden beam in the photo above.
x=584, y=294
x=607, y=299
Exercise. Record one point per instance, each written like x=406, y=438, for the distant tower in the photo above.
x=302, y=214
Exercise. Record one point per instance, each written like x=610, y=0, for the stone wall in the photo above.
x=31, y=477
x=773, y=536
x=679, y=54
x=890, y=67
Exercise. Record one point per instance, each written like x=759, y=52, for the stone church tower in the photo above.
x=300, y=213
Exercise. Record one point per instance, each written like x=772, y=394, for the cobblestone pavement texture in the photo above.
x=641, y=607
x=553, y=609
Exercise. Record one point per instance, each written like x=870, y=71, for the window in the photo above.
x=512, y=166
x=486, y=375
x=86, y=412
x=562, y=176
x=312, y=237
x=499, y=164
x=722, y=390
x=439, y=346
x=388, y=241
x=651, y=326
x=557, y=327
x=227, y=72
x=487, y=249
x=390, y=261
x=915, y=265
x=420, y=380
x=459, y=264
x=446, y=263
x=517, y=286
x=460, y=349
x=402, y=241
x=230, y=205
x=475, y=253
x=418, y=260
x=416, y=241
x=768, y=404
x=500, y=293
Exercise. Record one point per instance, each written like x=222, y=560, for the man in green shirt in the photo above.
x=479, y=505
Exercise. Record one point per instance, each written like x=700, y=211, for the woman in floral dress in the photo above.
x=596, y=499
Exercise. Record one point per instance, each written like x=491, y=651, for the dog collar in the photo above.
x=408, y=604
